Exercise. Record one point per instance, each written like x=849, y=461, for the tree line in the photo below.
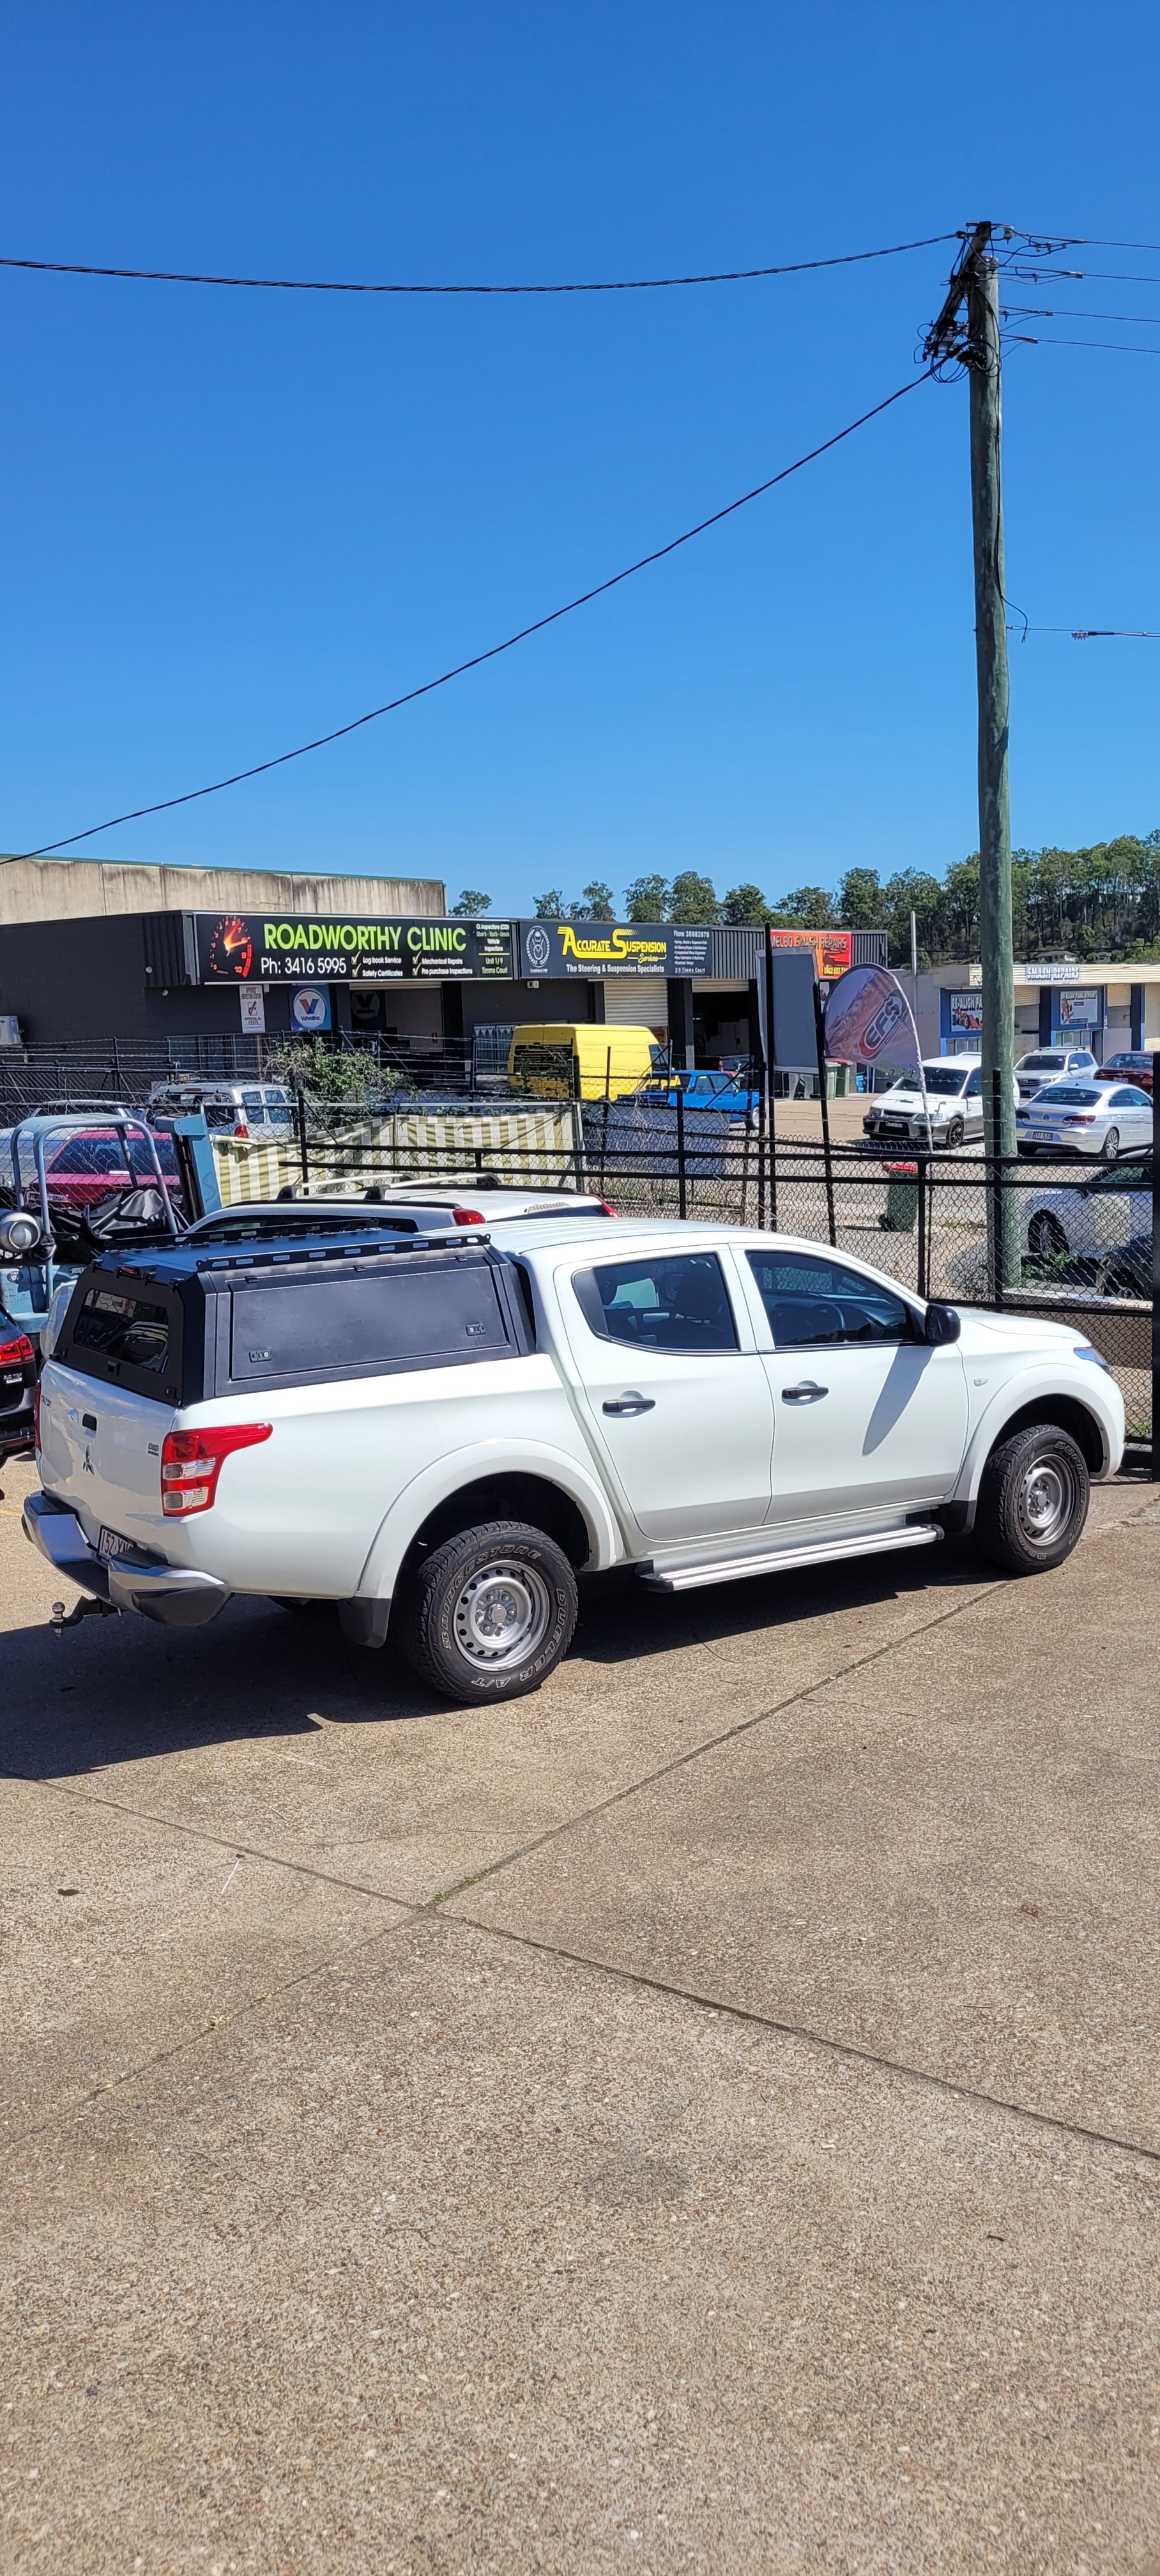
x=1094, y=902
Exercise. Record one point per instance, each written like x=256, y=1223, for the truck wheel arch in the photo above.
x=1069, y=1412
x=456, y=1491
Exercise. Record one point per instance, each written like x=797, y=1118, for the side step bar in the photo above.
x=686, y=1578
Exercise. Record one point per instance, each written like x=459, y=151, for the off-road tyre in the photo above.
x=488, y=1615
x=1033, y=1500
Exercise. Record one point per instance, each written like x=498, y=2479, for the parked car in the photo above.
x=88, y=1163
x=1046, y=1064
x=1131, y=1065
x=17, y=1392
x=439, y=1437
x=954, y=1091
x=721, y=1090
x=1126, y=1272
x=555, y=1060
x=1092, y=1218
x=261, y=1111
x=408, y=1209
x=1101, y=1118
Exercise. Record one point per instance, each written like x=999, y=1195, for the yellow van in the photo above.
x=612, y=1060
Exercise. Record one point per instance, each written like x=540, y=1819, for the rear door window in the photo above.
x=347, y=1323
x=127, y=1335
x=678, y=1302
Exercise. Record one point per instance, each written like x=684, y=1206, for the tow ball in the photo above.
x=85, y=1608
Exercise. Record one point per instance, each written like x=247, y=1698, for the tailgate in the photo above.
x=101, y=1452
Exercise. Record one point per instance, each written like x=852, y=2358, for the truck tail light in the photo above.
x=241, y=1129
x=36, y=1419
x=466, y=1216
x=191, y=1462
x=15, y=1351
x=609, y=1211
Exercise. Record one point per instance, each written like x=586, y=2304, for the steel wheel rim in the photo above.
x=502, y=1615
x=1046, y=1499
x=1046, y=1236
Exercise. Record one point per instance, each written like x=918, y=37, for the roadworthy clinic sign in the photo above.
x=243, y=948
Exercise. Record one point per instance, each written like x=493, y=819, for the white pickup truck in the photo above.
x=439, y=1433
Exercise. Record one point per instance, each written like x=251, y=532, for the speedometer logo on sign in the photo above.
x=231, y=948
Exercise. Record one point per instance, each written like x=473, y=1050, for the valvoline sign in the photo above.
x=310, y=1008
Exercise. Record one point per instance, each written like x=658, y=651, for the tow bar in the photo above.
x=85, y=1608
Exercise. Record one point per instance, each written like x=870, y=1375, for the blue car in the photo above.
x=707, y=1090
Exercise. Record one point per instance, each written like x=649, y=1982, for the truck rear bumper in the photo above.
x=169, y=1593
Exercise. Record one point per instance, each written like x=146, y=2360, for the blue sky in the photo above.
x=234, y=520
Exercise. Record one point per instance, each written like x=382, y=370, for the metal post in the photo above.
x=995, y=1196
x=763, y=1096
x=820, y=1035
x=303, y=1150
x=682, y=1208
x=923, y=1224
x=1155, y=1290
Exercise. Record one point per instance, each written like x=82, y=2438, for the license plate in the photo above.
x=1043, y=1136
x=111, y=1543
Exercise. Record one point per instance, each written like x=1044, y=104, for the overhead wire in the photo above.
x=1051, y=340
x=1096, y=634
x=1072, y=313
x=583, y=286
x=164, y=804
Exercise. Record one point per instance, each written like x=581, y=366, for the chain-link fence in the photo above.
x=1063, y=1240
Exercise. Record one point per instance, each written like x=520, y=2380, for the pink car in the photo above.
x=94, y=1163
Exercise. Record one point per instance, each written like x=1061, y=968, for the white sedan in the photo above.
x=1079, y=1117
x=1089, y=1217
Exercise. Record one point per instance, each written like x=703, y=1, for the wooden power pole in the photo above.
x=975, y=287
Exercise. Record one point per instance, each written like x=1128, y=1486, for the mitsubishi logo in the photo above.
x=87, y=1461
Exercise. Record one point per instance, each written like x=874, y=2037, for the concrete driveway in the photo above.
x=704, y=2117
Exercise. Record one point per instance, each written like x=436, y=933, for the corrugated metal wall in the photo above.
x=735, y=952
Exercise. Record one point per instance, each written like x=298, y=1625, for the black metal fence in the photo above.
x=1063, y=1241
x=1066, y=1241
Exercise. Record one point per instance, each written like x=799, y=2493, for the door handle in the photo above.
x=806, y=1393
x=630, y=1403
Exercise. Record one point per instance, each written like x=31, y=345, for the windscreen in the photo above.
x=1071, y=1095
x=942, y=1080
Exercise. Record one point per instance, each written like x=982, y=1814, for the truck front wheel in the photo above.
x=488, y=1615
x=1033, y=1500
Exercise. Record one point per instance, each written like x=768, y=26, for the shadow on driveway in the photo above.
x=123, y=1691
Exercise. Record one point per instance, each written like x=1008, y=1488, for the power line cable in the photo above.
x=1049, y=340
x=1060, y=276
x=1089, y=241
x=165, y=803
x=1094, y=634
x=585, y=286
x=1070, y=313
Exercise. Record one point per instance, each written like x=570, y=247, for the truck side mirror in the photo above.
x=943, y=1324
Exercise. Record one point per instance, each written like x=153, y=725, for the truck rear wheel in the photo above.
x=1033, y=1500
x=488, y=1615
